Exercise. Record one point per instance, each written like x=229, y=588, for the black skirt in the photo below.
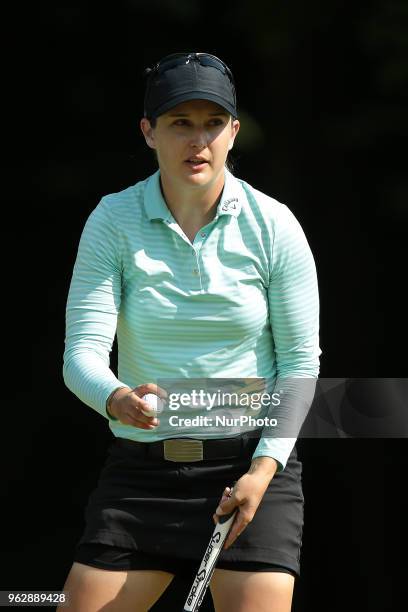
x=163, y=510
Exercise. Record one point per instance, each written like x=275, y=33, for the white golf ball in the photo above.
x=156, y=404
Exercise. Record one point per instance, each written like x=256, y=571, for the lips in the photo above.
x=196, y=161
x=196, y=164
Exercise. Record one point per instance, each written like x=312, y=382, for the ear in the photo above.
x=235, y=125
x=148, y=132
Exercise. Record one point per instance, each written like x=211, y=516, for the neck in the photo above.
x=195, y=206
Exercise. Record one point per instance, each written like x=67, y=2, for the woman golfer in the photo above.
x=203, y=278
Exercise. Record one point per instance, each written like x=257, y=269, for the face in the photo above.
x=192, y=141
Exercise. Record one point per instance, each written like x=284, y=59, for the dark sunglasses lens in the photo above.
x=215, y=62
x=209, y=61
x=170, y=61
x=171, y=57
x=205, y=59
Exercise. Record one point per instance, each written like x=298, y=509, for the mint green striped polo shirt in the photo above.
x=240, y=302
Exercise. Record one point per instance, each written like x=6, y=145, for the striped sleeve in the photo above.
x=91, y=313
x=294, y=319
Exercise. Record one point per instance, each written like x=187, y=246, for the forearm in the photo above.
x=278, y=441
x=89, y=377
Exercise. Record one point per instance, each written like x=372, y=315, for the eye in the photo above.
x=180, y=122
x=216, y=121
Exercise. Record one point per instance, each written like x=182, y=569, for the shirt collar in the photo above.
x=156, y=207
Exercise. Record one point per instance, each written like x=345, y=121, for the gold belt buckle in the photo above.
x=183, y=449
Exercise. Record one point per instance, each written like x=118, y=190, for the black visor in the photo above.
x=188, y=76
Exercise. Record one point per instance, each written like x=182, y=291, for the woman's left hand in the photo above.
x=247, y=494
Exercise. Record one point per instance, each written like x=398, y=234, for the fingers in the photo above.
x=242, y=519
x=225, y=497
x=140, y=419
x=226, y=504
x=132, y=415
x=132, y=407
x=144, y=421
x=144, y=389
x=229, y=501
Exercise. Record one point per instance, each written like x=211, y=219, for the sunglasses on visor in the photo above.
x=178, y=59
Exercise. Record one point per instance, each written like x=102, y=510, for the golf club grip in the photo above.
x=206, y=569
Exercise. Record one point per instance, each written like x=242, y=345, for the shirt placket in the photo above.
x=194, y=265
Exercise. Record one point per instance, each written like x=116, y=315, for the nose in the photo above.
x=199, y=138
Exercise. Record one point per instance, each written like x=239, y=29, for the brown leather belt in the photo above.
x=191, y=449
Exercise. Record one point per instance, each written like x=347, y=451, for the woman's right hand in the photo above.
x=127, y=405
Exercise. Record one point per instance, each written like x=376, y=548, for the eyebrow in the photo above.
x=224, y=113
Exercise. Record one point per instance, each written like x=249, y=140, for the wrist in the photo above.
x=263, y=467
x=111, y=401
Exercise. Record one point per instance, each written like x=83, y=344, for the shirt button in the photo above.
x=203, y=235
x=195, y=271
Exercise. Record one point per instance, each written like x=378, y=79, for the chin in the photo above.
x=200, y=178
